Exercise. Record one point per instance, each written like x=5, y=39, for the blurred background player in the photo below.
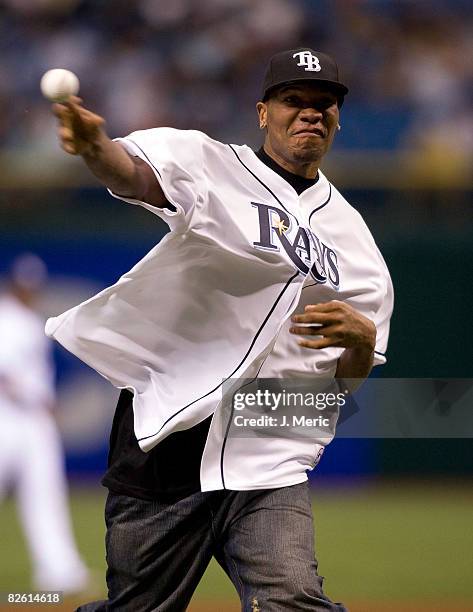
x=31, y=455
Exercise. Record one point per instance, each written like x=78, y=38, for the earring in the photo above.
x=339, y=127
x=262, y=126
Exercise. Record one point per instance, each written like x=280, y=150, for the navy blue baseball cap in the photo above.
x=302, y=64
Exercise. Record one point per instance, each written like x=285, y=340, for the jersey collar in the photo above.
x=310, y=199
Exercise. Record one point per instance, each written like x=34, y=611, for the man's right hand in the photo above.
x=80, y=130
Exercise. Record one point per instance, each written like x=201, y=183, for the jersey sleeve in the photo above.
x=371, y=292
x=373, y=297
x=382, y=317
x=375, y=301
x=176, y=158
x=378, y=308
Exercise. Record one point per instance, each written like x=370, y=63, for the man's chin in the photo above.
x=308, y=152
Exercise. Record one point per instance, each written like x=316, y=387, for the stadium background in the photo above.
x=391, y=514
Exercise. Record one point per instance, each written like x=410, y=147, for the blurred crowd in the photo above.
x=199, y=64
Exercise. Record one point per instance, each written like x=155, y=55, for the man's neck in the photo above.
x=307, y=170
x=297, y=182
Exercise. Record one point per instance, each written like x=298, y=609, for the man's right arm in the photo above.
x=81, y=132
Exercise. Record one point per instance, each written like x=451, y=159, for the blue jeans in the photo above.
x=157, y=552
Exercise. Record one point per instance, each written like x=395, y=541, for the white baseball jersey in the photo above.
x=207, y=303
x=365, y=283
x=26, y=365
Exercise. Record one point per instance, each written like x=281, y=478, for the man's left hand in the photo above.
x=339, y=324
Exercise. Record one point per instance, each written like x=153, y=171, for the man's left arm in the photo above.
x=338, y=324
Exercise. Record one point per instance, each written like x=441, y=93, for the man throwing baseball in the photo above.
x=261, y=245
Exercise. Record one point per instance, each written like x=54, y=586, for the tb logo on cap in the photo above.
x=311, y=62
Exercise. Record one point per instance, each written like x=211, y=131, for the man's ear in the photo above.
x=262, y=109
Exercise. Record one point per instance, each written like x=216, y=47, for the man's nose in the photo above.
x=310, y=114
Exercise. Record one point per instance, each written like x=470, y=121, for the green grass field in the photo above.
x=386, y=542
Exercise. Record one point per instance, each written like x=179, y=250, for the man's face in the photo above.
x=301, y=121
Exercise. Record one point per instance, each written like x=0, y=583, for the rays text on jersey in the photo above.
x=307, y=252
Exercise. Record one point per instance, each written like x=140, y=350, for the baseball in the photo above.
x=58, y=84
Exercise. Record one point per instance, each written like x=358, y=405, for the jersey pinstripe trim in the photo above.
x=229, y=423
x=264, y=185
x=324, y=204
x=144, y=155
x=170, y=206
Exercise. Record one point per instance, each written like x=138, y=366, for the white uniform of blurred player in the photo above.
x=31, y=457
